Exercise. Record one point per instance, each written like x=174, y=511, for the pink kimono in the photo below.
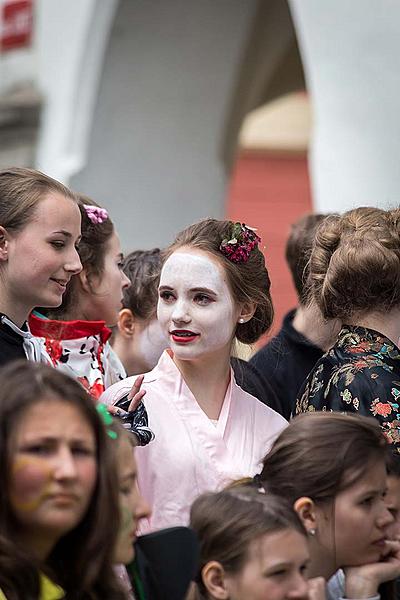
x=190, y=454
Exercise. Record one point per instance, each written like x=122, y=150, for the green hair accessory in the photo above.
x=107, y=419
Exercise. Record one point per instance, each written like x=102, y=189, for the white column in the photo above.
x=350, y=51
x=71, y=43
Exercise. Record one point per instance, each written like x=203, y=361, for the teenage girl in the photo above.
x=59, y=506
x=214, y=287
x=253, y=546
x=332, y=468
x=76, y=334
x=138, y=338
x=40, y=226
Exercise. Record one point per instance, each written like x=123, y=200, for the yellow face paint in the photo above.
x=36, y=471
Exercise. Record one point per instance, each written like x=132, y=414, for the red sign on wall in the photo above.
x=15, y=24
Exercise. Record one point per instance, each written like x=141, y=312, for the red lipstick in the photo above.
x=183, y=336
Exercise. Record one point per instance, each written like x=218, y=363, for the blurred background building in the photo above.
x=167, y=111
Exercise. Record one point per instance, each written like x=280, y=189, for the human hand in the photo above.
x=363, y=581
x=136, y=394
x=316, y=588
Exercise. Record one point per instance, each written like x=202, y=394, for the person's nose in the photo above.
x=125, y=281
x=73, y=264
x=65, y=466
x=180, y=312
x=384, y=517
x=143, y=510
x=299, y=588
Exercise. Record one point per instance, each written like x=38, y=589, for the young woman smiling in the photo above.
x=214, y=287
x=40, y=226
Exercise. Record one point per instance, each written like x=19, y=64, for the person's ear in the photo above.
x=213, y=576
x=247, y=311
x=126, y=322
x=3, y=244
x=85, y=281
x=305, y=508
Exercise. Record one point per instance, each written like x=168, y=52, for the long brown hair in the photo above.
x=81, y=561
x=249, y=281
x=227, y=522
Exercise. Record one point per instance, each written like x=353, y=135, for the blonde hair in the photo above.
x=355, y=263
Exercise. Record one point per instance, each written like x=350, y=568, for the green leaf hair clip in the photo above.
x=107, y=419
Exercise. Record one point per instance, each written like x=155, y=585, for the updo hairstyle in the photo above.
x=249, y=281
x=355, y=263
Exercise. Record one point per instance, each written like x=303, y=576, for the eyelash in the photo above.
x=57, y=244
x=167, y=296
x=202, y=299
x=367, y=501
x=46, y=450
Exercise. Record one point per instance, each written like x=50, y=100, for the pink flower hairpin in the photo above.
x=95, y=213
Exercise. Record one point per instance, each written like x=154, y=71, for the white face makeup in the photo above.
x=151, y=343
x=195, y=307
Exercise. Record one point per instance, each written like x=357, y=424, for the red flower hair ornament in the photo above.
x=243, y=240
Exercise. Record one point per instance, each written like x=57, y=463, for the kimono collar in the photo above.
x=172, y=377
x=67, y=330
x=356, y=339
x=32, y=346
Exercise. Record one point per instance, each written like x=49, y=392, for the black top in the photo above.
x=11, y=344
x=361, y=374
x=250, y=380
x=286, y=361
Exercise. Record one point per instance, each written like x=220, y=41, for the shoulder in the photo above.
x=250, y=379
x=263, y=414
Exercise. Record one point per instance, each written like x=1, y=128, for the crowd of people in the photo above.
x=144, y=458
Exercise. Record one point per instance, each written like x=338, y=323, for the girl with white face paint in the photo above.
x=138, y=338
x=214, y=287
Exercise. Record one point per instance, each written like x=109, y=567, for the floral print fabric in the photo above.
x=360, y=373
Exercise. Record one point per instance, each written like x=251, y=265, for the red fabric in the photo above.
x=68, y=330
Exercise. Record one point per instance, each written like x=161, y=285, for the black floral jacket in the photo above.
x=360, y=373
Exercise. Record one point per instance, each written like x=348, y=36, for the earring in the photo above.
x=241, y=320
x=312, y=532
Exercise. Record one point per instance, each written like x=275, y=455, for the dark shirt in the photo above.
x=286, y=361
x=252, y=382
x=360, y=373
x=11, y=345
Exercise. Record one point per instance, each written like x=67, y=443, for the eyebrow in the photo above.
x=63, y=232
x=48, y=439
x=202, y=290
x=371, y=492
